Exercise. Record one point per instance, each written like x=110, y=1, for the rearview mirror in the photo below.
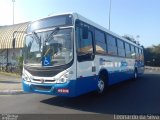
x=13, y=43
x=85, y=32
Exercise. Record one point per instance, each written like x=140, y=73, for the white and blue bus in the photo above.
x=69, y=55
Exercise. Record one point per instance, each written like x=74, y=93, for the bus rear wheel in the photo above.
x=101, y=84
x=135, y=74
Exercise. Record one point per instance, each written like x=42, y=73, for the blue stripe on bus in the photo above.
x=116, y=77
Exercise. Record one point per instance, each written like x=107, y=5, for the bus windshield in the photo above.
x=49, y=48
x=62, y=20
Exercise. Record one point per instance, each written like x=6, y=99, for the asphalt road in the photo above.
x=10, y=82
x=140, y=97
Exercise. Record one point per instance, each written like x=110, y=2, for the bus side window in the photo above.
x=140, y=54
x=121, y=50
x=111, y=45
x=133, y=54
x=84, y=46
x=100, y=42
x=128, y=50
x=137, y=54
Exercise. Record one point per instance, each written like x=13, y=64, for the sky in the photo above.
x=128, y=17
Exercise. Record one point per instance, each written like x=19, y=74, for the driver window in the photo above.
x=84, y=45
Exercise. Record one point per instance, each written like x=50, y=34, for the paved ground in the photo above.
x=10, y=84
x=140, y=97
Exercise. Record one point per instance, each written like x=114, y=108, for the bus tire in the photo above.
x=135, y=74
x=102, y=83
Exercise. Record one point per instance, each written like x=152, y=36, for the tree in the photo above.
x=152, y=56
x=20, y=64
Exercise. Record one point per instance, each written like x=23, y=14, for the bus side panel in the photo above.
x=86, y=77
x=116, y=77
x=86, y=84
x=119, y=69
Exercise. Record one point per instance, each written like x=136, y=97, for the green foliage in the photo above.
x=20, y=63
x=152, y=56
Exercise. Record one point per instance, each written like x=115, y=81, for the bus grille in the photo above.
x=44, y=81
x=43, y=88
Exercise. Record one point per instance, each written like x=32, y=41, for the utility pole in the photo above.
x=7, y=48
x=110, y=2
x=13, y=10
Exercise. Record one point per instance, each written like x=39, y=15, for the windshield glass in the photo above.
x=49, y=48
x=61, y=20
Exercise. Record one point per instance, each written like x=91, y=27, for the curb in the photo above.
x=152, y=68
x=12, y=92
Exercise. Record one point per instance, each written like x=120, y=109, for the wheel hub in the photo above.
x=135, y=75
x=101, y=86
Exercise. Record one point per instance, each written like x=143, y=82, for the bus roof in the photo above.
x=80, y=17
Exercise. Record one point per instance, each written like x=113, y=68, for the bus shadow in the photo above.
x=124, y=98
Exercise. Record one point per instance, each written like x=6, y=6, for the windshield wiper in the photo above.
x=38, y=40
x=53, y=32
x=36, y=37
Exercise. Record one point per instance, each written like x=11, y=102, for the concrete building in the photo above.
x=7, y=53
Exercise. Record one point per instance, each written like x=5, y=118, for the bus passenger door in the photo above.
x=86, y=79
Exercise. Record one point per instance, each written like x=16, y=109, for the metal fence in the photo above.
x=9, y=67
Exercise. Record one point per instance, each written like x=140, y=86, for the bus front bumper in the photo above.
x=65, y=89
x=71, y=88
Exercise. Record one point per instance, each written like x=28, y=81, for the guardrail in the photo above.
x=152, y=68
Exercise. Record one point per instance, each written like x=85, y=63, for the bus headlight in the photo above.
x=25, y=77
x=63, y=78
